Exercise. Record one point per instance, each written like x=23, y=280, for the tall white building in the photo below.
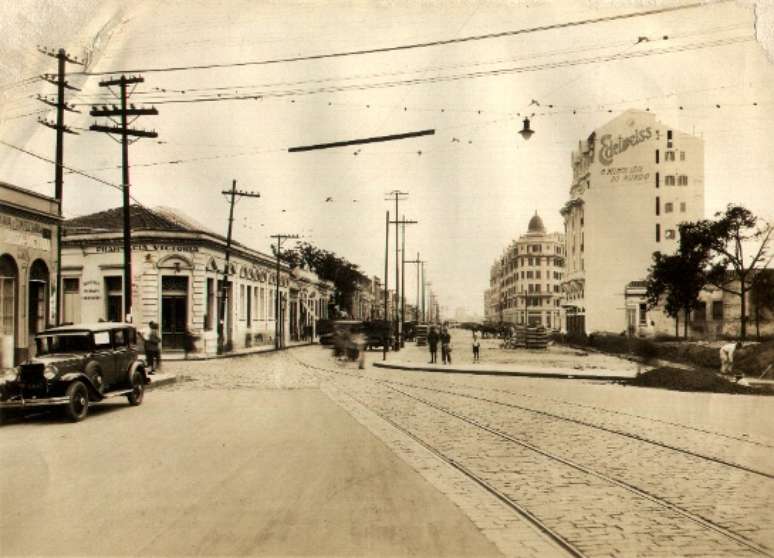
x=525, y=282
x=634, y=180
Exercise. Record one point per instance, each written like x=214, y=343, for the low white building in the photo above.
x=178, y=270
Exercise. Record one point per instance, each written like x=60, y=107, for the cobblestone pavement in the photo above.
x=598, y=479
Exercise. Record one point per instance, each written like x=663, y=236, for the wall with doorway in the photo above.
x=28, y=225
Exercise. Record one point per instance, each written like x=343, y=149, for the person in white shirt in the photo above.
x=476, y=345
x=727, y=357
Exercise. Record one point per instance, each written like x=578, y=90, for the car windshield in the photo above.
x=63, y=343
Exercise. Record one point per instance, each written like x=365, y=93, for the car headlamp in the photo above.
x=10, y=375
x=50, y=372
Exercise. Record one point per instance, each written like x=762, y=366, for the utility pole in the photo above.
x=398, y=196
x=233, y=194
x=277, y=306
x=123, y=130
x=424, y=298
x=61, y=84
x=401, y=296
x=386, y=272
x=418, y=262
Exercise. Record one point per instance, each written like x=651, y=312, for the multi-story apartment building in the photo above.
x=525, y=283
x=635, y=179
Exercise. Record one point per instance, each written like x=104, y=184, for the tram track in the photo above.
x=400, y=388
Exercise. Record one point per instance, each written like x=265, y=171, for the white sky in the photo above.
x=476, y=183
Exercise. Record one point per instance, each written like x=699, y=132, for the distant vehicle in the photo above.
x=76, y=365
x=378, y=332
x=420, y=334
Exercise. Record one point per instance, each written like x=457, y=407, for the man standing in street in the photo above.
x=476, y=345
x=445, y=346
x=153, y=348
x=432, y=342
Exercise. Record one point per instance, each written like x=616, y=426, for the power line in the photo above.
x=606, y=46
x=72, y=170
x=396, y=48
x=454, y=77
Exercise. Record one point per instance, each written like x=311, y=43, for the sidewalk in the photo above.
x=180, y=355
x=553, y=362
x=513, y=370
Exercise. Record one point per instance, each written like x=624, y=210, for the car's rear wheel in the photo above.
x=77, y=406
x=138, y=389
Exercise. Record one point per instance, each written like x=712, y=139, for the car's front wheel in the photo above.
x=77, y=406
x=138, y=389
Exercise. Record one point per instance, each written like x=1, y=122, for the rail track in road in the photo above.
x=573, y=507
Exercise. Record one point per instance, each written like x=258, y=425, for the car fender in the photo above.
x=72, y=376
x=138, y=364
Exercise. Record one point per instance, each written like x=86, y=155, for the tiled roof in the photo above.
x=142, y=218
x=113, y=220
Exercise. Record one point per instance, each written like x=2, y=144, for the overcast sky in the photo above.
x=472, y=186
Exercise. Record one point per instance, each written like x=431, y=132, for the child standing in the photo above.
x=476, y=345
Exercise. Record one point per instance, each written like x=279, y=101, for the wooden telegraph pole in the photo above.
x=61, y=106
x=124, y=132
x=233, y=195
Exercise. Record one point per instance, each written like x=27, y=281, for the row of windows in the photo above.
x=669, y=207
x=672, y=180
x=669, y=155
x=533, y=261
x=532, y=301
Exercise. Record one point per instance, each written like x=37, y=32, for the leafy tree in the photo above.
x=345, y=275
x=677, y=279
x=725, y=238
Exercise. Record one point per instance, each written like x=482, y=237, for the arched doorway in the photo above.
x=9, y=309
x=37, y=309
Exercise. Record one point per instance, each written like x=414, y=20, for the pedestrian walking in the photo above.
x=432, y=342
x=476, y=345
x=727, y=357
x=445, y=346
x=153, y=348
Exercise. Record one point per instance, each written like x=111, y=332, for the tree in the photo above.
x=345, y=275
x=725, y=239
x=677, y=279
x=762, y=296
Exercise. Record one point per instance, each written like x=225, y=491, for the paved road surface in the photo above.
x=295, y=453
x=203, y=470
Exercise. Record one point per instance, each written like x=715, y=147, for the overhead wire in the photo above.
x=257, y=95
x=411, y=46
x=72, y=170
x=606, y=46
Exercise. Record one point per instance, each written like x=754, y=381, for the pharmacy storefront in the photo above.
x=178, y=271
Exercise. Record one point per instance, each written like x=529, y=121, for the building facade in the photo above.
x=178, y=269
x=525, y=283
x=635, y=179
x=718, y=314
x=28, y=252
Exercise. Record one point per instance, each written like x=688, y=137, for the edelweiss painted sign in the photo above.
x=610, y=147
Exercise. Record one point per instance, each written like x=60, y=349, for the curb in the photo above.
x=483, y=372
x=239, y=354
x=159, y=380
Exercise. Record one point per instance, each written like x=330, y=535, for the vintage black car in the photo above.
x=75, y=365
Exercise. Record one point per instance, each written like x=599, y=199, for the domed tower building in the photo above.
x=531, y=274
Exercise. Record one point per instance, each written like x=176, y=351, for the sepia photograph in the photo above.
x=387, y=278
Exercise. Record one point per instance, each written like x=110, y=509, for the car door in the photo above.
x=124, y=355
x=104, y=357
